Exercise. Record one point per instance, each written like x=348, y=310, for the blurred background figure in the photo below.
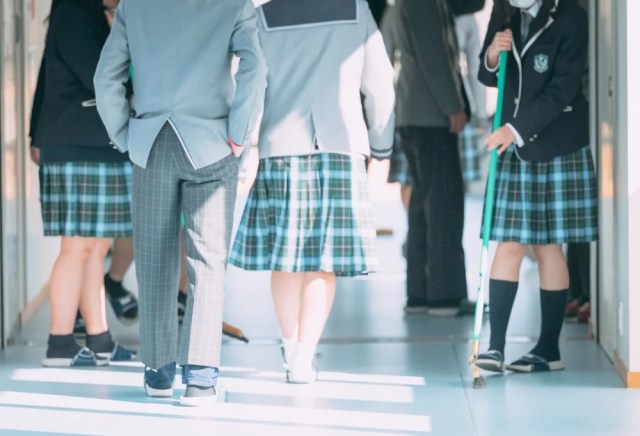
x=431, y=112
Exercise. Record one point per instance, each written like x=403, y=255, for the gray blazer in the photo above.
x=429, y=86
x=326, y=61
x=180, y=53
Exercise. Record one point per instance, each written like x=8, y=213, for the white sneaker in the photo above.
x=304, y=376
x=198, y=397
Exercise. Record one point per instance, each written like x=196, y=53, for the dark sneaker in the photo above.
x=534, y=363
x=182, y=306
x=119, y=354
x=468, y=307
x=125, y=308
x=492, y=360
x=158, y=383
x=196, y=396
x=83, y=358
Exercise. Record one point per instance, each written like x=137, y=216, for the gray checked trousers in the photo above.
x=166, y=189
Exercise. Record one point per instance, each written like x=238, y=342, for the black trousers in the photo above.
x=579, y=263
x=435, y=257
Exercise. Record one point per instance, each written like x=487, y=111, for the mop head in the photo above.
x=478, y=380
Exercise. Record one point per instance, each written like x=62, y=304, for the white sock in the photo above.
x=289, y=346
x=302, y=357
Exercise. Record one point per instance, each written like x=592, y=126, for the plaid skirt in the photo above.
x=87, y=199
x=308, y=214
x=552, y=202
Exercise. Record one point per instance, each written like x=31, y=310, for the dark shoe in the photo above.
x=182, y=306
x=196, y=396
x=492, y=360
x=533, y=363
x=416, y=309
x=83, y=358
x=584, y=313
x=572, y=308
x=119, y=354
x=158, y=383
x=123, y=302
x=468, y=307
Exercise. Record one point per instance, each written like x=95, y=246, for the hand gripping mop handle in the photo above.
x=488, y=208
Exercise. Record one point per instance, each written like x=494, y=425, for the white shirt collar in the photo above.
x=535, y=9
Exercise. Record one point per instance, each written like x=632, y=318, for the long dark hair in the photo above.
x=505, y=11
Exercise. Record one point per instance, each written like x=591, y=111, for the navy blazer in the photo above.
x=64, y=106
x=543, y=96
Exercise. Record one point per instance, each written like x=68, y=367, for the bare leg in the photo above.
x=121, y=259
x=554, y=273
x=66, y=282
x=317, y=299
x=286, y=289
x=507, y=261
x=405, y=195
x=92, y=299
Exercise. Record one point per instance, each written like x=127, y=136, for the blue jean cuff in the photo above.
x=201, y=376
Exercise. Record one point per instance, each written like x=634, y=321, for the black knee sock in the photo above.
x=502, y=294
x=102, y=343
x=552, y=304
x=113, y=288
x=62, y=346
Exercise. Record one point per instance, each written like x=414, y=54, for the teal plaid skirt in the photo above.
x=308, y=214
x=87, y=199
x=552, y=202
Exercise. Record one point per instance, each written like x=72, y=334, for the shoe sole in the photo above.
x=443, y=312
x=292, y=379
x=220, y=397
x=553, y=366
x=66, y=363
x=107, y=356
x=490, y=365
x=158, y=393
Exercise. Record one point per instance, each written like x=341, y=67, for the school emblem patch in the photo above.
x=541, y=63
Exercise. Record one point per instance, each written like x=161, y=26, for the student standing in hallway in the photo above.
x=184, y=129
x=84, y=184
x=546, y=193
x=308, y=218
x=431, y=114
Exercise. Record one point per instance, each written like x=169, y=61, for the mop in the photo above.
x=478, y=381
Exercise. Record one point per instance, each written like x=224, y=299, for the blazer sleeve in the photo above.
x=38, y=100
x=111, y=76
x=77, y=42
x=487, y=76
x=426, y=32
x=378, y=91
x=251, y=77
x=565, y=83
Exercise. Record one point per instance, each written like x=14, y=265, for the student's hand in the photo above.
x=236, y=149
x=502, y=41
x=35, y=155
x=500, y=139
x=457, y=122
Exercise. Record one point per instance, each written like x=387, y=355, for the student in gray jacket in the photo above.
x=308, y=217
x=184, y=129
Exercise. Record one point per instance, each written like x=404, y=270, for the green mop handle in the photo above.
x=490, y=198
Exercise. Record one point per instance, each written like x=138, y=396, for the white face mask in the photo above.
x=522, y=4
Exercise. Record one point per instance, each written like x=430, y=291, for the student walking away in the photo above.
x=431, y=113
x=546, y=193
x=184, y=131
x=84, y=183
x=308, y=218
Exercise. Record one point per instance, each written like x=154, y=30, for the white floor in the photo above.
x=381, y=372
